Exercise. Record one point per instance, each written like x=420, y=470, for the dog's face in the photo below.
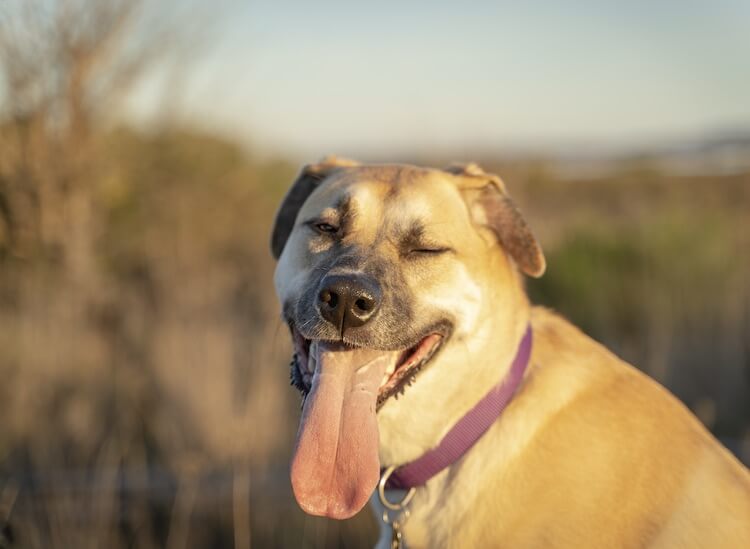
x=381, y=270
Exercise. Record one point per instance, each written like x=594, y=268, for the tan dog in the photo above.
x=403, y=291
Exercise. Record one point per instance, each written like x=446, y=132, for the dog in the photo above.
x=416, y=347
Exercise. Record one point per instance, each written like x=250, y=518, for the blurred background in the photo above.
x=145, y=145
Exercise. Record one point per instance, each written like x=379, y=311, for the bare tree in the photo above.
x=65, y=67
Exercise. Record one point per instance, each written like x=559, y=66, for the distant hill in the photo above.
x=726, y=153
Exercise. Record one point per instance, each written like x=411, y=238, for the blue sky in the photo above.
x=377, y=78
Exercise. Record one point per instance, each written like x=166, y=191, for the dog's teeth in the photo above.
x=388, y=373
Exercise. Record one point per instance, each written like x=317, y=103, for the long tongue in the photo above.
x=335, y=466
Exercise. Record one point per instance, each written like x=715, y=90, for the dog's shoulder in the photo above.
x=612, y=395
x=564, y=351
x=649, y=438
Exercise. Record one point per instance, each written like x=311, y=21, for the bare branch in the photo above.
x=65, y=65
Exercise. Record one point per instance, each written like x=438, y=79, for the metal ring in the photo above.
x=381, y=492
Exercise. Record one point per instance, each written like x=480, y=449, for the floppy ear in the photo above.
x=491, y=206
x=307, y=181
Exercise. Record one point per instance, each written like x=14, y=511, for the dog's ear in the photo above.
x=491, y=206
x=308, y=180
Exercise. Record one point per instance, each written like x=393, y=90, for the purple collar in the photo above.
x=468, y=430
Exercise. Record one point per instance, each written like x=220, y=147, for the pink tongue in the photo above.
x=335, y=466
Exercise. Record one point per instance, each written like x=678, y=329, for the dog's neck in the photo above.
x=452, y=385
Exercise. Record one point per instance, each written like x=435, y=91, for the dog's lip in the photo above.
x=409, y=363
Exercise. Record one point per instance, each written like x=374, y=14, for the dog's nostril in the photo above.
x=328, y=297
x=362, y=304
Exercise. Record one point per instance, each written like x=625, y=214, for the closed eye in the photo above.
x=430, y=250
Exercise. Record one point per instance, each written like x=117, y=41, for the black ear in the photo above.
x=307, y=181
x=492, y=207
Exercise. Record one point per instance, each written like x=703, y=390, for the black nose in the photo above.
x=348, y=301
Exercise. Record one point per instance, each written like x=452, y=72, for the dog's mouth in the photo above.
x=335, y=466
x=400, y=371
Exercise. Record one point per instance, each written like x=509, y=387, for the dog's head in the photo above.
x=382, y=271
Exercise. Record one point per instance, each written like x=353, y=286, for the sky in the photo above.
x=372, y=79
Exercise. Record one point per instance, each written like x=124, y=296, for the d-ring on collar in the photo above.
x=399, y=506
